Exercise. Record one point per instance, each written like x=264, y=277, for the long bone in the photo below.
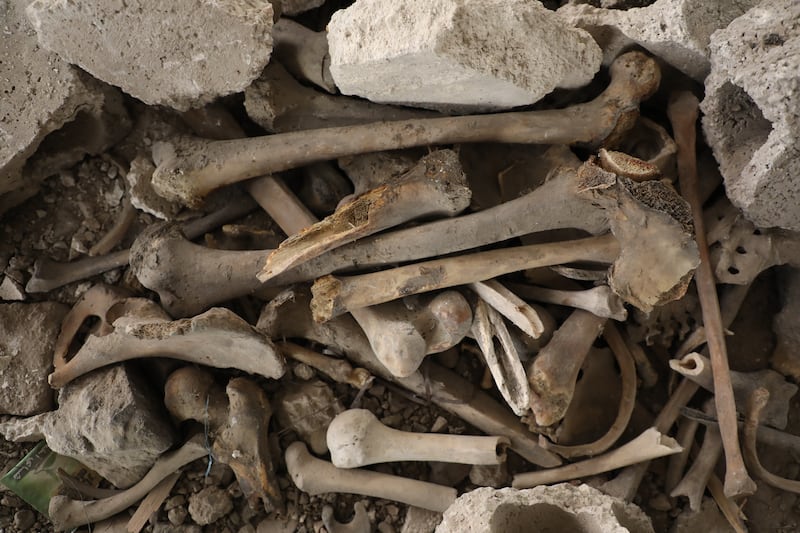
x=693, y=484
x=304, y=52
x=337, y=369
x=683, y=113
x=66, y=513
x=648, y=220
x=316, y=476
x=188, y=169
x=288, y=316
x=508, y=304
x=357, y=438
x=217, y=338
x=600, y=300
x=49, y=274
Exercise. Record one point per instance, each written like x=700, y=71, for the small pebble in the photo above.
x=209, y=505
x=24, y=519
x=439, y=425
x=177, y=515
x=174, y=502
x=303, y=371
x=9, y=500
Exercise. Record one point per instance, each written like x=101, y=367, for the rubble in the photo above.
x=750, y=116
x=185, y=54
x=209, y=505
x=457, y=56
x=28, y=334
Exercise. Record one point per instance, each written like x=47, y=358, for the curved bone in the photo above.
x=217, y=338
x=756, y=403
x=402, y=334
x=358, y=524
x=510, y=306
x=338, y=370
x=356, y=438
x=117, y=232
x=316, y=476
x=555, y=369
x=698, y=368
x=191, y=168
x=66, y=513
x=435, y=186
x=288, y=316
x=693, y=484
x=683, y=113
x=304, y=52
x=627, y=402
x=626, y=165
x=600, y=300
x=651, y=444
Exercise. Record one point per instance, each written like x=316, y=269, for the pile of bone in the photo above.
x=432, y=226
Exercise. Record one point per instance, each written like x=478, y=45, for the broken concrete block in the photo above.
x=108, y=420
x=27, y=335
x=562, y=507
x=677, y=31
x=457, y=55
x=182, y=53
x=308, y=408
x=752, y=112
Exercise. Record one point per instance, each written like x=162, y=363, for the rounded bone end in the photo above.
x=453, y=316
x=297, y=459
x=352, y=440
x=186, y=392
x=642, y=72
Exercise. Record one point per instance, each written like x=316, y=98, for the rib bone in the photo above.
x=188, y=169
x=316, y=476
x=356, y=438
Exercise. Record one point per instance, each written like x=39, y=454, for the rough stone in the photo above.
x=182, y=53
x=490, y=475
x=752, y=112
x=562, y=507
x=457, y=55
x=308, y=408
x=24, y=520
x=677, y=31
x=11, y=290
x=108, y=420
x=27, y=335
x=420, y=520
x=209, y=505
x=295, y=7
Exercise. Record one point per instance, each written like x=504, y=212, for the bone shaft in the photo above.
x=694, y=482
x=405, y=446
x=281, y=204
x=677, y=463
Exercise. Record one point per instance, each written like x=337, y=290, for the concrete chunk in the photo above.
x=457, y=55
x=752, y=112
x=182, y=53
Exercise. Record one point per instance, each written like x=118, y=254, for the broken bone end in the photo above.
x=325, y=303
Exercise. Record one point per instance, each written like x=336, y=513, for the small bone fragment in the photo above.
x=66, y=513
x=188, y=169
x=402, y=334
x=337, y=369
x=651, y=444
x=555, y=369
x=682, y=112
x=503, y=361
x=117, y=232
x=626, y=404
x=623, y=164
x=49, y=274
x=356, y=438
x=600, y=300
x=316, y=476
x=510, y=306
x=698, y=368
x=650, y=142
x=435, y=186
x=151, y=503
x=304, y=52
x=757, y=401
x=358, y=524
x=693, y=484
x=217, y=338
x=288, y=315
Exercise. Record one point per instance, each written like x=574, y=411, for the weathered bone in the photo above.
x=756, y=403
x=188, y=169
x=191, y=393
x=767, y=435
x=316, y=476
x=117, y=232
x=337, y=369
x=217, y=338
x=684, y=435
x=649, y=141
x=600, y=300
x=731, y=300
x=683, y=113
x=435, y=186
x=693, y=484
x=356, y=438
x=49, y=274
x=651, y=444
x=304, y=52
x=623, y=164
x=66, y=513
x=698, y=368
x=508, y=304
x=288, y=316
x=358, y=524
x=555, y=369
x=401, y=334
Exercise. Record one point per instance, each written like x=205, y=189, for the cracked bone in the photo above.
x=401, y=333
x=339, y=370
x=189, y=168
x=357, y=438
x=217, y=338
x=648, y=220
x=315, y=476
x=508, y=304
x=435, y=186
x=304, y=52
x=288, y=316
x=651, y=444
x=697, y=367
x=66, y=513
x=553, y=372
x=600, y=300
x=358, y=524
